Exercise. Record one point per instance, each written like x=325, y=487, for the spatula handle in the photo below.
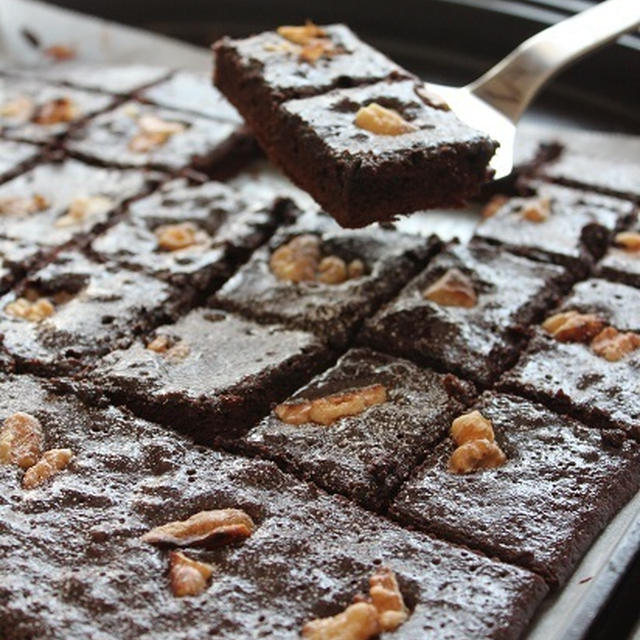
x=511, y=85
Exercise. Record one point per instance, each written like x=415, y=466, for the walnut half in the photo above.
x=387, y=599
x=475, y=455
x=359, y=621
x=453, y=289
x=571, y=326
x=471, y=426
x=51, y=462
x=21, y=440
x=187, y=577
x=382, y=121
x=35, y=311
x=203, y=529
x=612, y=345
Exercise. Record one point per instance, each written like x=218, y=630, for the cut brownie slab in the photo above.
x=559, y=486
x=39, y=112
x=211, y=375
x=622, y=260
x=142, y=135
x=189, y=91
x=468, y=311
x=54, y=202
x=557, y=224
x=355, y=448
x=88, y=571
x=585, y=359
x=15, y=157
x=73, y=310
x=318, y=277
x=192, y=235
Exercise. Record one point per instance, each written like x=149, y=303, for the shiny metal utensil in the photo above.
x=495, y=102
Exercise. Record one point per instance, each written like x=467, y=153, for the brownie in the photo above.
x=15, y=157
x=191, y=91
x=88, y=572
x=478, y=341
x=40, y=112
x=367, y=455
x=193, y=236
x=216, y=376
x=575, y=233
x=55, y=195
x=88, y=309
x=621, y=264
x=361, y=176
x=142, y=135
x=571, y=378
x=332, y=310
x=559, y=487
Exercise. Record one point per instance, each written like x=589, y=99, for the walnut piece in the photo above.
x=613, y=345
x=536, y=209
x=51, y=462
x=432, y=98
x=382, y=121
x=178, y=352
x=173, y=237
x=35, y=311
x=628, y=240
x=297, y=260
x=475, y=455
x=203, y=529
x=55, y=111
x=494, y=205
x=453, y=289
x=160, y=344
x=387, y=599
x=303, y=35
x=359, y=621
x=571, y=326
x=330, y=408
x=20, y=108
x=154, y=132
x=471, y=426
x=332, y=270
x=17, y=206
x=60, y=52
x=187, y=577
x=82, y=208
x=21, y=440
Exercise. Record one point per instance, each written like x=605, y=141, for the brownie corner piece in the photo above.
x=360, y=428
x=468, y=312
x=517, y=511
x=211, y=374
x=315, y=276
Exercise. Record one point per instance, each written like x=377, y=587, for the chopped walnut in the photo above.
x=178, y=352
x=55, y=111
x=303, y=35
x=160, y=344
x=387, y=599
x=628, y=240
x=51, y=462
x=154, y=132
x=382, y=121
x=476, y=454
x=355, y=269
x=612, y=345
x=471, y=426
x=36, y=311
x=206, y=528
x=17, y=206
x=328, y=409
x=297, y=260
x=187, y=577
x=21, y=440
x=332, y=270
x=20, y=108
x=173, y=237
x=536, y=209
x=432, y=98
x=359, y=621
x=571, y=326
x=60, y=52
x=453, y=289
x=82, y=208
x=494, y=205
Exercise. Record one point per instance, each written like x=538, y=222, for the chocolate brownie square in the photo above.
x=590, y=368
x=15, y=157
x=190, y=91
x=363, y=452
x=39, y=112
x=558, y=488
x=142, y=135
x=621, y=262
x=557, y=224
x=88, y=571
x=193, y=236
x=211, y=375
x=55, y=202
x=315, y=276
x=73, y=310
x=468, y=311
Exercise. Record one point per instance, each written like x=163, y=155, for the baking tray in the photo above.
x=439, y=39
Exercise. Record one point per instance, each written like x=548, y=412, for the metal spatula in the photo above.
x=495, y=101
